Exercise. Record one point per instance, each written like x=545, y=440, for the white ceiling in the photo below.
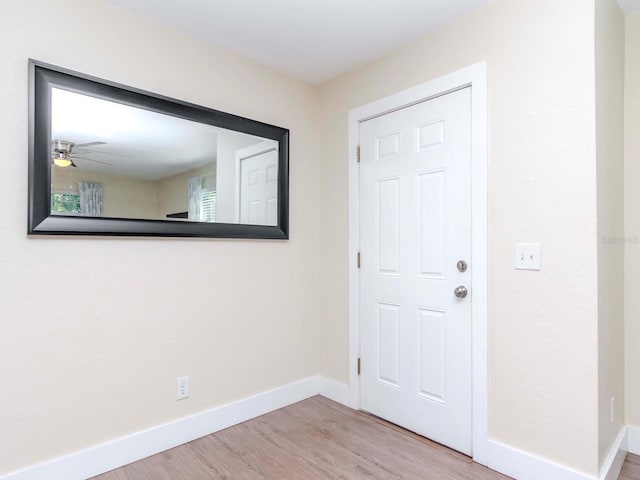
x=314, y=40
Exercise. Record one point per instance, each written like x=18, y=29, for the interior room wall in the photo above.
x=609, y=54
x=632, y=218
x=543, y=335
x=96, y=330
x=123, y=197
x=173, y=192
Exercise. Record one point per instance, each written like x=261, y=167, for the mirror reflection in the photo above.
x=113, y=160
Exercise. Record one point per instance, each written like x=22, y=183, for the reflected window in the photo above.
x=65, y=203
x=208, y=206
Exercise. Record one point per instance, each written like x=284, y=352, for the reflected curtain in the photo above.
x=195, y=192
x=90, y=199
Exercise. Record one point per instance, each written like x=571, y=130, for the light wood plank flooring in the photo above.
x=631, y=468
x=315, y=439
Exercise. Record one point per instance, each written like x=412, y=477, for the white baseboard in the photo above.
x=525, y=466
x=334, y=390
x=633, y=435
x=102, y=458
x=615, y=459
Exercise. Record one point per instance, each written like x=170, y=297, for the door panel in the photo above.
x=388, y=343
x=431, y=211
x=432, y=354
x=388, y=205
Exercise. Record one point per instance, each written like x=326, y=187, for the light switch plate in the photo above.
x=527, y=256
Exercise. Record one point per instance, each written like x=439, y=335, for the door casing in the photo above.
x=474, y=76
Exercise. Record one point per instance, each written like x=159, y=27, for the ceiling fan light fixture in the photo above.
x=61, y=160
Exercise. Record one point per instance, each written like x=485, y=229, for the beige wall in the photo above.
x=123, y=197
x=609, y=50
x=632, y=219
x=173, y=192
x=543, y=359
x=95, y=330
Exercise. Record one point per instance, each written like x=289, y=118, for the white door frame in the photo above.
x=474, y=76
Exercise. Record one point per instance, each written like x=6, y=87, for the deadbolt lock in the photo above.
x=462, y=266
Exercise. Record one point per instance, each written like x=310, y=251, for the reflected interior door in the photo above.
x=415, y=225
x=257, y=171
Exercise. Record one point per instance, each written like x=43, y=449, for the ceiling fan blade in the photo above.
x=90, y=160
x=90, y=144
x=86, y=150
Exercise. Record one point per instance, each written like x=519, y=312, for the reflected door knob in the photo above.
x=460, y=291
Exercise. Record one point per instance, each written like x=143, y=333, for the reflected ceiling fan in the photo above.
x=64, y=152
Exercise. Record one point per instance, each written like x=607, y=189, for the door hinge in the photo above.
x=358, y=154
x=358, y=260
x=358, y=365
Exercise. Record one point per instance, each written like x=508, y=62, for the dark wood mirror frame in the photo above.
x=43, y=77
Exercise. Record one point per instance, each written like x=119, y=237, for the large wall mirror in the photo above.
x=106, y=159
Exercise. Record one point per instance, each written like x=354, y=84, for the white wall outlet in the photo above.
x=613, y=409
x=182, y=388
x=527, y=256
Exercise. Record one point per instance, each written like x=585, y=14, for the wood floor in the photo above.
x=631, y=468
x=315, y=439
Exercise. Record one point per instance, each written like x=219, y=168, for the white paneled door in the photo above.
x=257, y=172
x=415, y=234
